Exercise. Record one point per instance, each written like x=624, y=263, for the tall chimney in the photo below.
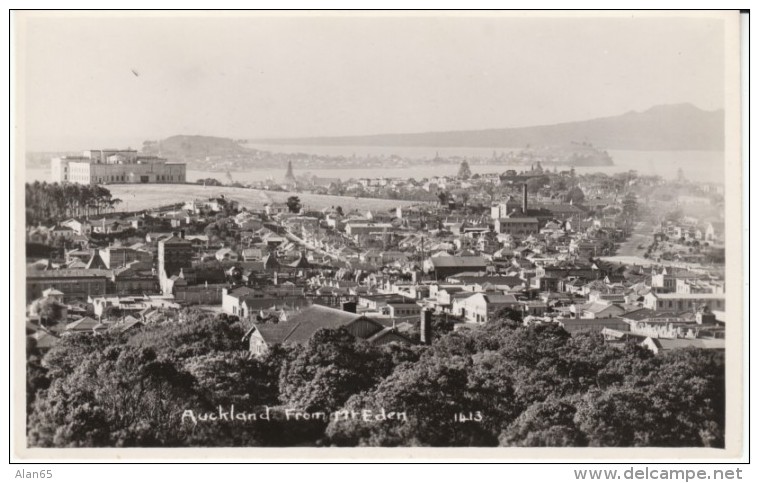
x=425, y=327
x=524, y=198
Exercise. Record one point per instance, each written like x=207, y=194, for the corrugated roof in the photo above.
x=70, y=273
x=300, y=327
x=449, y=261
x=518, y=220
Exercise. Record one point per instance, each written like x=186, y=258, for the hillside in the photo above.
x=660, y=128
x=194, y=147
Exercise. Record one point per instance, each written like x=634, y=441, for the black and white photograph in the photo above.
x=320, y=231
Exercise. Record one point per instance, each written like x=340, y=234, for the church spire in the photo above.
x=289, y=176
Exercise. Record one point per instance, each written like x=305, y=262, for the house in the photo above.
x=445, y=266
x=574, y=326
x=660, y=346
x=80, y=227
x=62, y=231
x=521, y=227
x=254, y=254
x=114, y=256
x=129, y=324
x=599, y=310
x=403, y=310
x=684, y=301
x=131, y=280
x=85, y=324
x=488, y=283
x=44, y=340
x=276, y=208
x=227, y=255
x=481, y=307
x=301, y=326
x=74, y=283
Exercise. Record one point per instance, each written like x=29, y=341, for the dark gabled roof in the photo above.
x=671, y=344
x=85, y=323
x=301, y=262
x=69, y=273
x=519, y=220
x=301, y=326
x=507, y=280
x=443, y=262
x=241, y=292
x=596, y=321
x=328, y=314
x=386, y=332
x=175, y=240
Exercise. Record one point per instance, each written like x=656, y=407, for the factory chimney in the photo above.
x=425, y=327
x=524, y=199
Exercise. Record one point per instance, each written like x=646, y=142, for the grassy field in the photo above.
x=146, y=196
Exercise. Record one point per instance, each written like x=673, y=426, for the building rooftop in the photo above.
x=301, y=326
x=451, y=261
x=69, y=273
x=519, y=220
x=694, y=296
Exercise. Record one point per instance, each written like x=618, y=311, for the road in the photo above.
x=290, y=236
x=642, y=236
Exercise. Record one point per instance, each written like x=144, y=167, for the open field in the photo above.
x=145, y=196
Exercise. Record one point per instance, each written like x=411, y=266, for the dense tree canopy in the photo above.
x=53, y=201
x=465, y=172
x=502, y=384
x=293, y=204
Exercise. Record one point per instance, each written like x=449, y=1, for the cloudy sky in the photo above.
x=110, y=81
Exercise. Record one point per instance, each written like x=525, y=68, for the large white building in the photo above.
x=109, y=166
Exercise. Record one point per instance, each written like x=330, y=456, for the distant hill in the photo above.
x=183, y=146
x=660, y=128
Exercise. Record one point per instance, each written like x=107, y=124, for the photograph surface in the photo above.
x=327, y=231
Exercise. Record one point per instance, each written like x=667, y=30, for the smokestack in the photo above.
x=348, y=307
x=524, y=198
x=425, y=327
x=181, y=234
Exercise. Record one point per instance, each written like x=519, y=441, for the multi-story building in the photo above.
x=115, y=257
x=73, y=283
x=174, y=254
x=684, y=301
x=522, y=227
x=116, y=166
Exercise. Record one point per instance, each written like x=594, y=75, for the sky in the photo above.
x=107, y=80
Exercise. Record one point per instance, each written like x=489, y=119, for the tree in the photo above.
x=548, y=423
x=575, y=195
x=120, y=396
x=50, y=311
x=331, y=367
x=233, y=378
x=430, y=393
x=293, y=204
x=198, y=334
x=442, y=197
x=465, y=172
x=535, y=184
